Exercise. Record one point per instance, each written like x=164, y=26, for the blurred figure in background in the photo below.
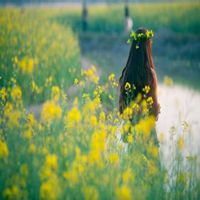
x=128, y=22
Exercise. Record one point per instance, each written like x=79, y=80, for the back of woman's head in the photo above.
x=139, y=66
x=139, y=60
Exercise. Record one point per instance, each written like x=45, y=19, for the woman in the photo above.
x=139, y=73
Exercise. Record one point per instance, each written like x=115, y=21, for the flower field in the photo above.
x=69, y=148
x=36, y=53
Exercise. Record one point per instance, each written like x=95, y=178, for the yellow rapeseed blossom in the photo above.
x=51, y=161
x=26, y=65
x=16, y=93
x=111, y=77
x=114, y=159
x=130, y=138
x=3, y=93
x=93, y=120
x=127, y=86
x=168, y=81
x=127, y=113
x=145, y=126
x=3, y=149
x=73, y=117
x=124, y=193
x=150, y=101
x=102, y=116
x=55, y=93
x=50, y=189
x=153, y=150
x=14, y=118
x=35, y=88
x=128, y=176
x=181, y=143
x=8, y=109
x=146, y=89
x=51, y=111
x=91, y=74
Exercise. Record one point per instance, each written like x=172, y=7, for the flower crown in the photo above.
x=139, y=37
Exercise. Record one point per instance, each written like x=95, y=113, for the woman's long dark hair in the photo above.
x=139, y=71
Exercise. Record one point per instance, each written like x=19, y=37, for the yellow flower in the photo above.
x=152, y=168
x=146, y=89
x=51, y=111
x=35, y=88
x=150, y=101
x=76, y=81
x=114, y=159
x=181, y=143
x=51, y=161
x=130, y=138
x=153, y=150
x=111, y=77
x=93, y=120
x=8, y=109
x=124, y=193
x=168, y=81
x=26, y=65
x=3, y=93
x=73, y=117
x=128, y=176
x=16, y=93
x=50, y=189
x=127, y=113
x=127, y=86
x=91, y=74
x=145, y=126
x=3, y=149
x=102, y=116
x=55, y=93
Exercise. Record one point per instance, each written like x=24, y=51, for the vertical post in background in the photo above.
x=128, y=22
x=84, y=15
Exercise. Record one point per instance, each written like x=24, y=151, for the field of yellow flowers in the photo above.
x=71, y=149
x=37, y=53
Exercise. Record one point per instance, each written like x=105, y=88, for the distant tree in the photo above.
x=84, y=15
